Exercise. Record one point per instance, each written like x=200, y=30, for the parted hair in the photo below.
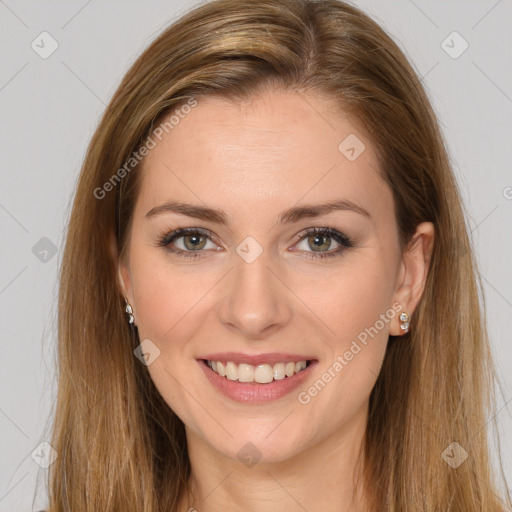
x=120, y=446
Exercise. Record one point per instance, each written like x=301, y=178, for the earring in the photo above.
x=404, y=318
x=129, y=311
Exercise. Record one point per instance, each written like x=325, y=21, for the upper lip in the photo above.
x=256, y=359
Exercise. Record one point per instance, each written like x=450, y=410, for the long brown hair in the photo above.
x=119, y=445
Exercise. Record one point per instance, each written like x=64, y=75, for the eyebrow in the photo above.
x=286, y=217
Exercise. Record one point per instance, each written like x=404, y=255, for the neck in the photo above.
x=326, y=476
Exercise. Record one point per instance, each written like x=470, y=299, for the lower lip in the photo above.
x=253, y=392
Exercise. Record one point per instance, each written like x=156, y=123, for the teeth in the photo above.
x=231, y=371
x=245, y=373
x=279, y=371
x=263, y=373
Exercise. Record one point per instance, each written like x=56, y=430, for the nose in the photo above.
x=256, y=301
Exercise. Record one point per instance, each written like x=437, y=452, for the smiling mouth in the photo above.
x=261, y=373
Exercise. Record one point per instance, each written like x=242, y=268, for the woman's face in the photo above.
x=252, y=286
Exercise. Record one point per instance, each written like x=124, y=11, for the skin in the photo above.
x=254, y=160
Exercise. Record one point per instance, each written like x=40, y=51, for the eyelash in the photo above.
x=165, y=239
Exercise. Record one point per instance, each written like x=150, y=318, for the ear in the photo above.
x=123, y=271
x=413, y=272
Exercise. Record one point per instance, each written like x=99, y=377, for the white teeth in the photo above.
x=279, y=373
x=263, y=373
x=300, y=365
x=231, y=371
x=245, y=372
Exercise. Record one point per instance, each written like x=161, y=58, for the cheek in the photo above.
x=351, y=298
x=166, y=296
x=344, y=300
x=168, y=311
x=356, y=308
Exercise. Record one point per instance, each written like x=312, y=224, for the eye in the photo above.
x=321, y=238
x=190, y=241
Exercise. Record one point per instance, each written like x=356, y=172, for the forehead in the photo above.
x=276, y=150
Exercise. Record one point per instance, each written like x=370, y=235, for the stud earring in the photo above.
x=404, y=318
x=129, y=311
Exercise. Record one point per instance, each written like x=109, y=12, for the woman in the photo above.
x=268, y=296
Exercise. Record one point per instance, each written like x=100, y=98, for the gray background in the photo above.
x=50, y=108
